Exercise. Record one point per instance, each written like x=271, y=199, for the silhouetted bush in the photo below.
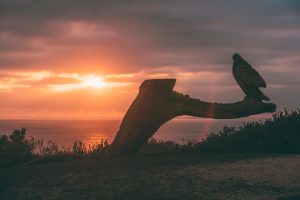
x=79, y=148
x=15, y=149
x=154, y=146
x=280, y=134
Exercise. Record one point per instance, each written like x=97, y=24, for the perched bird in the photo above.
x=248, y=78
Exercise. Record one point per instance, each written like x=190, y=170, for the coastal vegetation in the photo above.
x=278, y=135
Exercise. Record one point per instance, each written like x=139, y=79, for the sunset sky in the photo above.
x=76, y=58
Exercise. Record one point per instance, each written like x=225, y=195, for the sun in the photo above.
x=93, y=81
x=84, y=82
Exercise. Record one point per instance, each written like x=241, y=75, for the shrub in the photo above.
x=280, y=134
x=15, y=149
x=154, y=146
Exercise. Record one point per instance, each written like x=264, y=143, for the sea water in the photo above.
x=65, y=132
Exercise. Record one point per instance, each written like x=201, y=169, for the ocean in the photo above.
x=65, y=132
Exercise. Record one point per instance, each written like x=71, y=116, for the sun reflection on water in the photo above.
x=95, y=139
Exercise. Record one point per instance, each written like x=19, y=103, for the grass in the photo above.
x=277, y=135
x=149, y=177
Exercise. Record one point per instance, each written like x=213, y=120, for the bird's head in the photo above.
x=236, y=57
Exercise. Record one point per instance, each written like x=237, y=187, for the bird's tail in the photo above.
x=260, y=95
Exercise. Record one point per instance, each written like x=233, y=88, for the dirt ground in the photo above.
x=158, y=177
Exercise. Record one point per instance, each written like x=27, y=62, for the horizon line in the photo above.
x=116, y=118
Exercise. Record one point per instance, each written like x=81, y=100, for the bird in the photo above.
x=248, y=78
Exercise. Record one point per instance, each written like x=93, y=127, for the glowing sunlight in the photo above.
x=93, y=81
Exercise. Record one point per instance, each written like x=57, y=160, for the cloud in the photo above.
x=143, y=34
x=128, y=41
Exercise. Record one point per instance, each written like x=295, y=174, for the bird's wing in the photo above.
x=249, y=76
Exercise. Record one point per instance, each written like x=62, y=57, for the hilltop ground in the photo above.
x=157, y=177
